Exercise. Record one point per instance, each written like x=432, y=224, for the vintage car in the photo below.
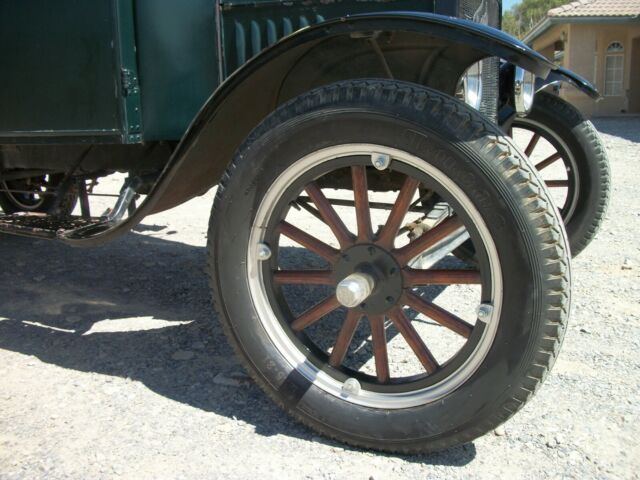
x=367, y=167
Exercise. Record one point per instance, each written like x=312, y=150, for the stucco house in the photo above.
x=600, y=40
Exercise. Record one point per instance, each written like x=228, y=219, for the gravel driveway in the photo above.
x=111, y=366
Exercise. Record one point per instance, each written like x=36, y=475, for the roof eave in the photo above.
x=548, y=22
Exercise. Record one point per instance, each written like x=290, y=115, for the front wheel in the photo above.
x=365, y=334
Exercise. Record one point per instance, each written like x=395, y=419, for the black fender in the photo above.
x=428, y=49
x=560, y=75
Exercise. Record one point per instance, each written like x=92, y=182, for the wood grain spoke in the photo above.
x=305, y=277
x=412, y=337
x=315, y=313
x=400, y=208
x=345, y=337
x=548, y=161
x=312, y=243
x=441, y=231
x=361, y=200
x=532, y=144
x=329, y=215
x=379, y=338
x=415, y=277
x=557, y=183
x=439, y=314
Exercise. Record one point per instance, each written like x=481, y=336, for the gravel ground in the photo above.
x=111, y=366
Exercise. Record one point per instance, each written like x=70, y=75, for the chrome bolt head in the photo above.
x=380, y=161
x=351, y=387
x=484, y=312
x=264, y=252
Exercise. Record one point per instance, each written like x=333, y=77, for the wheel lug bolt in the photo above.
x=264, y=252
x=351, y=387
x=485, y=311
x=345, y=257
x=390, y=299
x=371, y=251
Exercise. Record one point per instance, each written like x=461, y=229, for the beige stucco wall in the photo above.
x=585, y=50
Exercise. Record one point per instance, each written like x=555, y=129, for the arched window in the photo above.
x=614, y=69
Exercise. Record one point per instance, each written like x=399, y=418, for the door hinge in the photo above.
x=129, y=80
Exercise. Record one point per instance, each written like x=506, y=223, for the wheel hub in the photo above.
x=371, y=279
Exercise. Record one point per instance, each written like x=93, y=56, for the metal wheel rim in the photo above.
x=567, y=211
x=297, y=359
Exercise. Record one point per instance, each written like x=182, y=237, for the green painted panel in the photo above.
x=59, y=68
x=177, y=63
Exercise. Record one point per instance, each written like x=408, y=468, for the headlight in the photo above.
x=523, y=91
x=472, y=85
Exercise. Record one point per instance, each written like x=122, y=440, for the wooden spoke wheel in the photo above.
x=330, y=259
x=370, y=277
x=569, y=156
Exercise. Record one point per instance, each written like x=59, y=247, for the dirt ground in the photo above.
x=112, y=364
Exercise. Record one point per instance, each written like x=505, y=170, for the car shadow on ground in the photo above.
x=69, y=307
x=613, y=126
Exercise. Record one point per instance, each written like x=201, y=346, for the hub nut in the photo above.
x=354, y=289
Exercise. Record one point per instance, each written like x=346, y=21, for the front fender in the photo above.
x=321, y=54
x=560, y=75
x=428, y=49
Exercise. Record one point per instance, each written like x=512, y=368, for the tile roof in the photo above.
x=597, y=8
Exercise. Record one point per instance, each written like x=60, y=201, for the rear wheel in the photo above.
x=566, y=150
x=363, y=334
x=35, y=195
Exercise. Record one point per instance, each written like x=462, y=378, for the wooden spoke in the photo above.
x=412, y=337
x=532, y=144
x=557, y=183
x=379, y=338
x=344, y=337
x=414, y=277
x=315, y=313
x=439, y=314
x=428, y=239
x=309, y=277
x=400, y=208
x=312, y=243
x=548, y=161
x=329, y=215
x=361, y=199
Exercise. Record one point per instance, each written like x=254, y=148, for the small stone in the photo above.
x=182, y=355
x=234, y=379
x=500, y=431
x=584, y=330
x=627, y=264
x=39, y=278
x=197, y=345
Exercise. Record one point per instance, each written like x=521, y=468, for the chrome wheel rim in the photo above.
x=326, y=377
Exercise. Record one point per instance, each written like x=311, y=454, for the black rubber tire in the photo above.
x=590, y=156
x=499, y=180
x=66, y=206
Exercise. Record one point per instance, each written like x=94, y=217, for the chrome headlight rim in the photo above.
x=472, y=85
x=523, y=91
